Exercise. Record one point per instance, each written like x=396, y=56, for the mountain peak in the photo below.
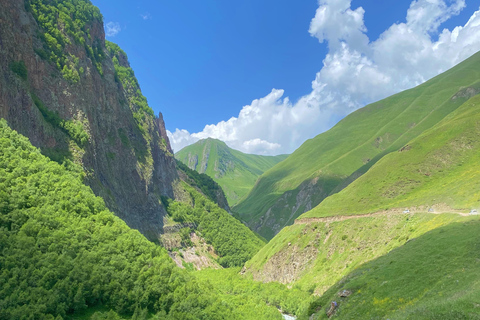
x=235, y=171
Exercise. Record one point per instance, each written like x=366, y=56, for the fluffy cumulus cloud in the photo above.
x=112, y=29
x=355, y=72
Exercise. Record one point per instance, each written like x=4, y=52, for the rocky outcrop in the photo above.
x=291, y=205
x=163, y=131
x=128, y=167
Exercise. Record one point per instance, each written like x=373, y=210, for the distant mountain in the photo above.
x=326, y=164
x=235, y=171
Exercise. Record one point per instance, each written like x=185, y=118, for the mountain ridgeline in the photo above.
x=328, y=163
x=235, y=172
x=396, y=242
x=74, y=95
x=379, y=214
x=76, y=98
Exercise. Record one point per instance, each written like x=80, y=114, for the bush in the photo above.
x=20, y=69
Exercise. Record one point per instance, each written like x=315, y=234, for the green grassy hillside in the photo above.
x=314, y=256
x=395, y=233
x=234, y=171
x=439, y=170
x=433, y=277
x=329, y=162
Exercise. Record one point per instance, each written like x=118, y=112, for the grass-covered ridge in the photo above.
x=433, y=277
x=236, y=172
x=440, y=168
x=337, y=157
x=64, y=253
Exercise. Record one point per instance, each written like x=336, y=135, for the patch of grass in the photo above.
x=123, y=137
x=433, y=277
x=20, y=69
x=188, y=266
x=340, y=247
x=73, y=128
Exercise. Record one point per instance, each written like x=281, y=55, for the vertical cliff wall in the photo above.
x=78, y=100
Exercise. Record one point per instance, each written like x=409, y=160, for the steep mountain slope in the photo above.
x=433, y=277
x=64, y=253
x=327, y=163
x=79, y=101
x=232, y=241
x=235, y=171
x=203, y=184
x=431, y=183
x=314, y=256
x=437, y=171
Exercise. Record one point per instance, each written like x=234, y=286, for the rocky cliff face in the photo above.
x=79, y=108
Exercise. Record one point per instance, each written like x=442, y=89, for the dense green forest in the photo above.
x=63, y=23
x=232, y=240
x=63, y=252
x=229, y=284
x=207, y=185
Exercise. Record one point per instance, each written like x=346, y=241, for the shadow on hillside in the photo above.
x=434, y=276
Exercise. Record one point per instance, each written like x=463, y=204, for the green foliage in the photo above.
x=233, y=241
x=71, y=70
x=255, y=298
x=63, y=22
x=234, y=171
x=207, y=185
x=433, y=277
x=123, y=137
x=76, y=131
x=360, y=140
x=73, y=128
x=20, y=69
x=125, y=75
x=185, y=236
x=63, y=251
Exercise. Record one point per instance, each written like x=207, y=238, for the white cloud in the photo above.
x=112, y=29
x=146, y=16
x=355, y=72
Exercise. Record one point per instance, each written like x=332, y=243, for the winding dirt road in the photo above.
x=444, y=209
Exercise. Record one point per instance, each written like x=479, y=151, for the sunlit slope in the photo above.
x=314, y=256
x=330, y=161
x=234, y=171
x=438, y=170
x=433, y=277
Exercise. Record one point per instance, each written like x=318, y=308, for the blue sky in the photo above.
x=201, y=62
